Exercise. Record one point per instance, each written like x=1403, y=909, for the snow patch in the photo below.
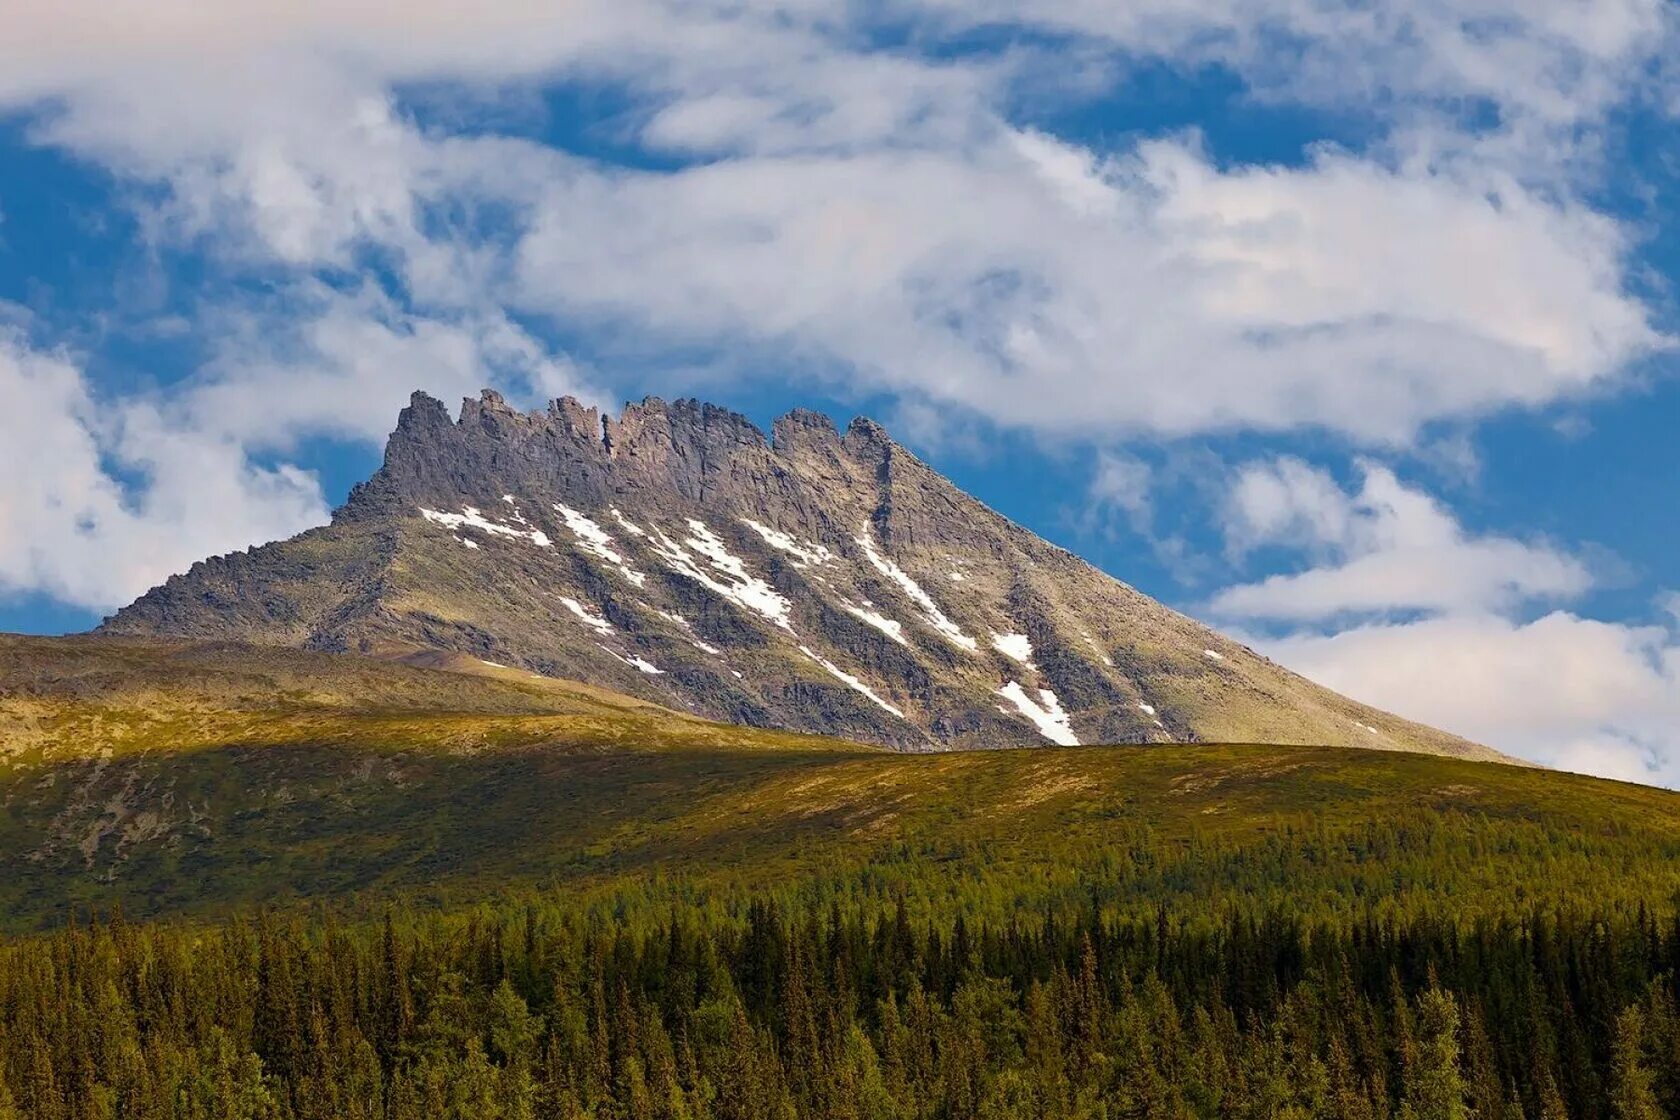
x=736, y=584
x=688, y=629
x=956, y=577
x=1016, y=647
x=633, y=661
x=471, y=517
x=1045, y=713
x=470, y=544
x=591, y=537
x=850, y=680
x=629, y=526
x=1213, y=654
x=936, y=617
x=891, y=627
x=492, y=664
x=588, y=617
x=806, y=555
x=595, y=541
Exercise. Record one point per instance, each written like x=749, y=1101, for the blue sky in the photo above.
x=1349, y=330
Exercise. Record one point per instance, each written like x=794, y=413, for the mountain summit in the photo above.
x=812, y=580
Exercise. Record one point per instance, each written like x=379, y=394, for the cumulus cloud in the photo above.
x=1401, y=607
x=1153, y=293
x=119, y=489
x=106, y=500
x=1028, y=280
x=874, y=217
x=1385, y=548
x=1567, y=691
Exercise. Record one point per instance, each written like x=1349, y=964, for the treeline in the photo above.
x=534, y=1010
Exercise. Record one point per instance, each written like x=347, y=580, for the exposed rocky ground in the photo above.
x=812, y=580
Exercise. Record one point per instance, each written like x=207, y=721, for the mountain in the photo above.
x=811, y=580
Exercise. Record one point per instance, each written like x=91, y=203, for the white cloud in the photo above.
x=1288, y=501
x=1566, y=691
x=1385, y=548
x=120, y=489
x=347, y=361
x=1123, y=482
x=1151, y=294
x=107, y=499
x=1556, y=59
x=1561, y=689
x=874, y=215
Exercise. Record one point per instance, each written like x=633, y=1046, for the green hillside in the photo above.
x=395, y=890
x=185, y=779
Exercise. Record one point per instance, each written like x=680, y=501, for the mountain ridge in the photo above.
x=808, y=579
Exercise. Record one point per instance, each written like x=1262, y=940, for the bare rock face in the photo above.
x=815, y=580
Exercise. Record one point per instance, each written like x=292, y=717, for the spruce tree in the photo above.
x=1434, y=1086
x=1631, y=1095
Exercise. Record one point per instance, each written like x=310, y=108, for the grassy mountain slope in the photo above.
x=185, y=779
x=103, y=699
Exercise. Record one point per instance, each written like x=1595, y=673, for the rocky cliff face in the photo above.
x=814, y=580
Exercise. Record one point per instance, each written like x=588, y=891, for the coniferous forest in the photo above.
x=532, y=1008
x=396, y=918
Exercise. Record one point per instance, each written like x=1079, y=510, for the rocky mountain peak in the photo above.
x=801, y=424
x=576, y=419
x=424, y=413
x=813, y=581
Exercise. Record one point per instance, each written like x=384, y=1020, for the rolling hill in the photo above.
x=183, y=777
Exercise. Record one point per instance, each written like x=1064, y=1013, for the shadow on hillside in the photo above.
x=191, y=832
